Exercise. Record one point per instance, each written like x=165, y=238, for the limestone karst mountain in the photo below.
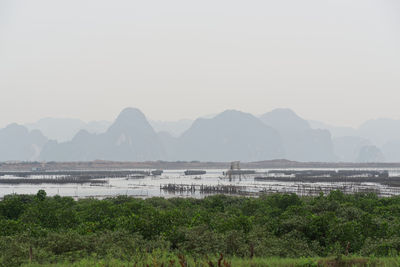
x=174, y=128
x=370, y=153
x=383, y=133
x=18, y=143
x=231, y=135
x=347, y=148
x=336, y=131
x=391, y=150
x=300, y=141
x=380, y=131
x=64, y=129
x=129, y=138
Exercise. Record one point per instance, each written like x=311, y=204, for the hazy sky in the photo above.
x=331, y=60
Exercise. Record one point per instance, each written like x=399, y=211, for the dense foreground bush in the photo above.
x=232, y=262
x=45, y=230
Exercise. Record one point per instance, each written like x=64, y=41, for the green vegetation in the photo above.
x=272, y=230
x=236, y=262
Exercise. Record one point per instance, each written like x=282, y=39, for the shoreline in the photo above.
x=179, y=165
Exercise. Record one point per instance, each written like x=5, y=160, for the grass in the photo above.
x=172, y=261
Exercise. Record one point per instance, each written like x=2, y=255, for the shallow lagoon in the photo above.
x=150, y=186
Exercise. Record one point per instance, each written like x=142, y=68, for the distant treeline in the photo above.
x=174, y=165
x=45, y=229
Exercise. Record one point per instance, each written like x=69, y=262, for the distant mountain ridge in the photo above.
x=129, y=138
x=174, y=128
x=64, y=129
x=382, y=133
x=18, y=143
x=301, y=142
x=230, y=135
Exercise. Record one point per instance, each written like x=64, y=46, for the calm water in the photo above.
x=150, y=186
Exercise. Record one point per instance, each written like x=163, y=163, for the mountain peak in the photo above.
x=231, y=135
x=233, y=114
x=229, y=118
x=130, y=113
x=286, y=111
x=16, y=129
x=17, y=143
x=130, y=119
x=284, y=119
